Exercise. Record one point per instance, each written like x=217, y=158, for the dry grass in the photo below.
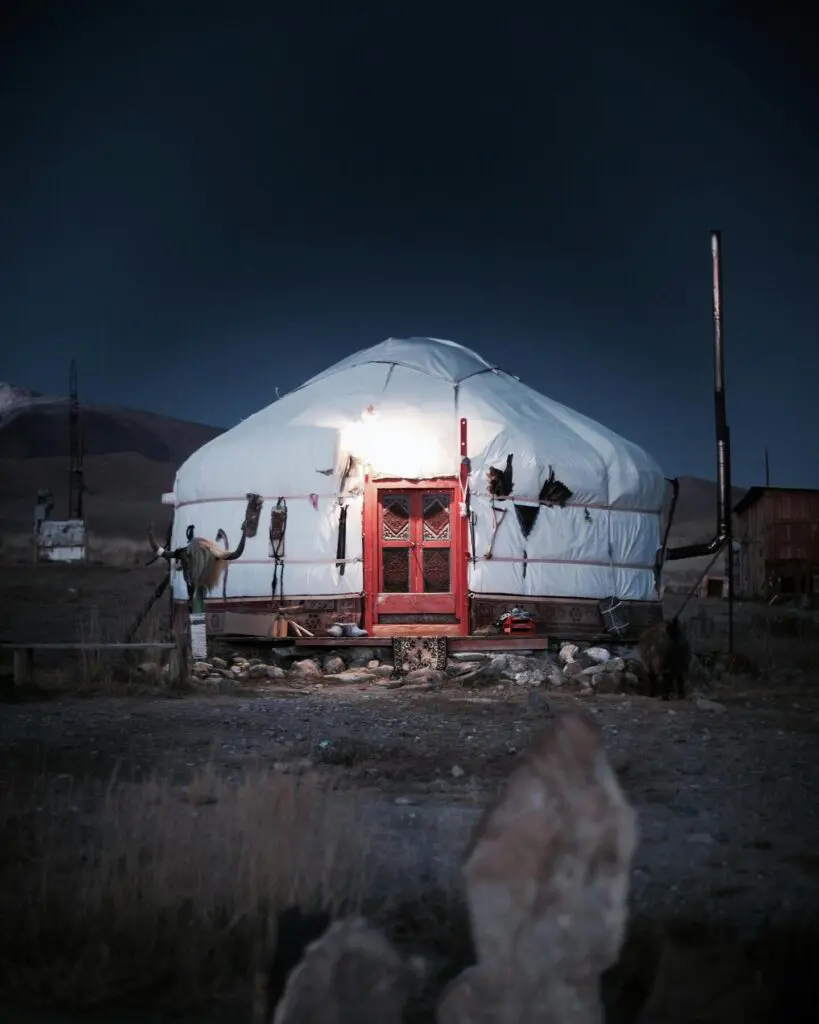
x=115, y=673
x=154, y=893
x=783, y=653
x=118, y=672
x=765, y=639
x=159, y=888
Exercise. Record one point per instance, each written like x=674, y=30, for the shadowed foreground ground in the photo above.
x=140, y=833
x=728, y=819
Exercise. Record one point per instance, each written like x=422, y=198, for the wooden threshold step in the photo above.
x=456, y=644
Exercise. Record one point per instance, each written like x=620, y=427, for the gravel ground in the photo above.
x=726, y=799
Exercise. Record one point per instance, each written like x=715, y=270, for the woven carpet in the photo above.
x=413, y=652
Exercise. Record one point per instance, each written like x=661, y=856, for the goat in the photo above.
x=665, y=655
x=203, y=561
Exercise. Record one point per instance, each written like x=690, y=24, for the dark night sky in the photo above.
x=202, y=202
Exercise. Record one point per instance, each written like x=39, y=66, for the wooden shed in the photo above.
x=778, y=531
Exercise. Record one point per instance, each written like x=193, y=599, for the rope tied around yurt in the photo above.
x=466, y=509
x=499, y=483
x=278, y=531
x=162, y=586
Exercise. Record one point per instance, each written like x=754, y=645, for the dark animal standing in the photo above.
x=665, y=656
x=203, y=561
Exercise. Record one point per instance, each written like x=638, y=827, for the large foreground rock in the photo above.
x=351, y=974
x=547, y=882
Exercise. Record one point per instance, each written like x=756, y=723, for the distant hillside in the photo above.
x=698, y=501
x=695, y=522
x=35, y=426
x=130, y=458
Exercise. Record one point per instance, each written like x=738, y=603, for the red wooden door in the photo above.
x=417, y=570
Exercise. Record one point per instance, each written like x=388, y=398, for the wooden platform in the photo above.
x=455, y=644
x=558, y=618
x=391, y=630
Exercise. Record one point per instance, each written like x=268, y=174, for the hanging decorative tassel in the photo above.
x=527, y=517
x=254, y=511
x=341, y=545
x=278, y=530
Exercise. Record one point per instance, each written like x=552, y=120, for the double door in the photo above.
x=415, y=566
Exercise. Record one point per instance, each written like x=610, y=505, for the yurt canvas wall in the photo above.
x=395, y=410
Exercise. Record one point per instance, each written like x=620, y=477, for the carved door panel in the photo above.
x=415, y=581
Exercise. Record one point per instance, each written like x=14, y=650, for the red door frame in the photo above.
x=455, y=601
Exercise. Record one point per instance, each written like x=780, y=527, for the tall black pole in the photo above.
x=724, y=510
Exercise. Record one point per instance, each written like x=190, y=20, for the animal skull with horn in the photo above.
x=203, y=561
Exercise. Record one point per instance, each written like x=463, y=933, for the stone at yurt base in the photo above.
x=583, y=671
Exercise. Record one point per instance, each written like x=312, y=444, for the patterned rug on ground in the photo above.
x=413, y=652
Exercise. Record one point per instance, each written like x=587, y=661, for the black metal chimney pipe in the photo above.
x=720, y=421
x=723, y=434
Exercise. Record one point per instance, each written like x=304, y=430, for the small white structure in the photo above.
x=367, y=459
x=61, y=540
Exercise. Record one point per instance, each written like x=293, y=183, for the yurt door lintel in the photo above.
x=414, y=558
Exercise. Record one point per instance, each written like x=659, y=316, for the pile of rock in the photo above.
x=359, y=665
x=220, y=675
x=589, y=670
x=586, y=670
x=597, y=670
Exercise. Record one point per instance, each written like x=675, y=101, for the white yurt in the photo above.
x=414, y=484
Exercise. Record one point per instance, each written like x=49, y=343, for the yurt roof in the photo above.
x=418, y=389
x=436, y=357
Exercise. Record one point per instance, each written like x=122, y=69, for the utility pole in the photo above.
x=76, y=487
